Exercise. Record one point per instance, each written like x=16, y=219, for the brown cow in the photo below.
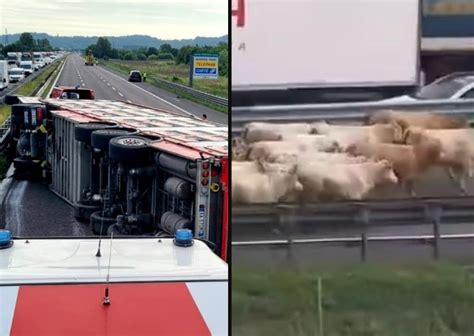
x=426, y=120
x=457, y=151
x=409, y=161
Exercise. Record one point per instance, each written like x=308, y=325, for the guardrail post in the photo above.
x=363, y=219
x=286, y=225
x=435, y=214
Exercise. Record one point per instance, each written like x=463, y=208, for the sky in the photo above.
x=166, y=19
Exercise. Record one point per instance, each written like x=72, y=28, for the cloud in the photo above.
x=160, y=18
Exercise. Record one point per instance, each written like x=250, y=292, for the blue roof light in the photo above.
x=183, y=238
x=5, y=239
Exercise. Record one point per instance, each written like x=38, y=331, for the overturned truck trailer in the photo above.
x=128, y=169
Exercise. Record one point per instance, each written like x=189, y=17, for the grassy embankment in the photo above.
x=177, y=73
x=436, y=299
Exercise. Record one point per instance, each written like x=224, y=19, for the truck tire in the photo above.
x=129, y=148
x=100, y=139
x=82, y=132
x=83, y=212
x=96, y=222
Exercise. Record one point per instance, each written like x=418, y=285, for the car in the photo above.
x=70, y=92
x=458, y=85
x=135, y=76
x=16, y=74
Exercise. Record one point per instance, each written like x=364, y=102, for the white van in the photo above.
x=4, y=75
x=16, y=74
x=28, y=67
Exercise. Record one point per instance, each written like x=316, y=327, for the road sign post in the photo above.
x=204, y=66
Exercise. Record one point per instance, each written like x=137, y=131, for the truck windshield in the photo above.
x=15, y=72
x=26, y=66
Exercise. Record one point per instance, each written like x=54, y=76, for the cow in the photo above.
x=353, y=181
x=457, y=151
x=426, y=120
x=271, y=150
x=409, y=161
x=261, y=131
x=317, y=156
x=271, y=183
x=239, y=149
x=346, y=135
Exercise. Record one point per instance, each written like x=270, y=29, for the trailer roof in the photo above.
x=183, y=134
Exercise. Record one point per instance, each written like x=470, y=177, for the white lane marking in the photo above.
x=211, y=299
x=121, y=95
x=128, y=101
x=8, y=297
x=151, y=94
x=57, y=78
x=83, y=84
x=108, y=84
x=113, y=88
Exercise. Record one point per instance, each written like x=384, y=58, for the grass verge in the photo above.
x=28, y=88
x=435, y=299
x=176, y=73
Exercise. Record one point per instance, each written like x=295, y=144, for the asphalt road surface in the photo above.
x=112, y=85
x=30, y=209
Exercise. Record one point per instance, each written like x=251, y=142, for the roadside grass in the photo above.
x=51, y=82
x=434, y=299
x=4, y=112
x=179, y=74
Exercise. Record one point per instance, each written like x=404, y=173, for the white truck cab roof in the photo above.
x=59, y=287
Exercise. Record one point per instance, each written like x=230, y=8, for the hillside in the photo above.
x=125, y=42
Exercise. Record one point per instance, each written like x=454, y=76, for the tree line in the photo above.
x=25, y=43
x=103, y=49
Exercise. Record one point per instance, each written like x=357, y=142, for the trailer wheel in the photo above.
x=100, y=139
x=83, y=212
x=129, y=148
x=98, y=220
x=82, y=132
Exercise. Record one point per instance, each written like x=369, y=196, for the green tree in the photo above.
x=103, y=47
x=165, y=56
x=166, y=48
x=26, y=41
x=224, y=62
x=152, y=51
x=129, y=56
x=141, y=57
x=152, y=57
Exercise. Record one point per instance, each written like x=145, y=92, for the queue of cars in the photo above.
x=18, y=66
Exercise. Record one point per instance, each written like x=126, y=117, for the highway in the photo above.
x=112, y=85
x=30, y=209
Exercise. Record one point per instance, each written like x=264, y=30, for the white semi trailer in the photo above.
x=325, y=45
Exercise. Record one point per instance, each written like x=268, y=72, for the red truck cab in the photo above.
x=70, y=92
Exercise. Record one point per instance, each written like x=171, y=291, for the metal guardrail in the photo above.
x=298, y=225
x=195, y=93
x=342, y=112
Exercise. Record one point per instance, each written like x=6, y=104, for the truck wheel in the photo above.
x=98, y=220
x=129, y=148
x=83, y=212
x=82, y=132
x=100, y=139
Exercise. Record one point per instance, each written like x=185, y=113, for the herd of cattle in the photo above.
x=314, y=162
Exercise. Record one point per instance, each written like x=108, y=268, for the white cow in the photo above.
x=271, y=183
